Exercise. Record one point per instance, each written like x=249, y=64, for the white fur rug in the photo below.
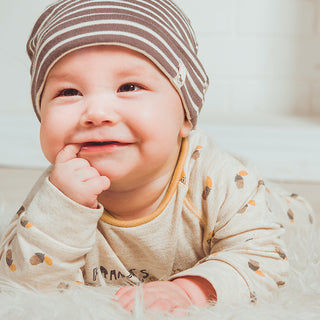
x=300, y=299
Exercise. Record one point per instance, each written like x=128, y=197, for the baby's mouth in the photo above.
x=98, y=143
x=100, y=146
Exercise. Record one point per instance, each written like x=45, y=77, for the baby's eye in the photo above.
x=129, y=87
x=69, y=93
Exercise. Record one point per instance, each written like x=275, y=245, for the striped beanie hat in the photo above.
x=156, y=28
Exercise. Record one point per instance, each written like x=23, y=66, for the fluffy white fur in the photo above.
x=300, y=299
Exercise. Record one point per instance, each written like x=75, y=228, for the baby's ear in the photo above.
x=185, y=129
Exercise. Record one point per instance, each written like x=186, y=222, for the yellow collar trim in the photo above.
x=106, y=217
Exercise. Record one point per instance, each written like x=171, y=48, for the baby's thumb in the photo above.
x=69, y=152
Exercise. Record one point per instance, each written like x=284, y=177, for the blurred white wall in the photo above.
x=16, y=21
x=263, y=59
x=261, y=55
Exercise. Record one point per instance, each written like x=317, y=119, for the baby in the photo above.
x=135, y=195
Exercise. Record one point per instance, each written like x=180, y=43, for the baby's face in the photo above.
x=122, y=112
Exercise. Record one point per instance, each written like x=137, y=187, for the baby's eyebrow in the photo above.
x=58, y=76
x=137, y=70
x=133, y=70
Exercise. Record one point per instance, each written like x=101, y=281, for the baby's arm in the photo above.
x=50, y=235
x=247, y=259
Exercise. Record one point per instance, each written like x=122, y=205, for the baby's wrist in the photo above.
x=199, y=290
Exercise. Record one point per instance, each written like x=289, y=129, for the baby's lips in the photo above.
x=85, y=146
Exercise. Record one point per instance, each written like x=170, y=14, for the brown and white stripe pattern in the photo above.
x=156, y=28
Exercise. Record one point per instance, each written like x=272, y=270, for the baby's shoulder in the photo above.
x=38, y=186
x=207, y=156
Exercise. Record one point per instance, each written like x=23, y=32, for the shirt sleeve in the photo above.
x=47, y=240
x=246, y=259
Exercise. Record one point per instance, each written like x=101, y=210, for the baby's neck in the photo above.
x=137, y=202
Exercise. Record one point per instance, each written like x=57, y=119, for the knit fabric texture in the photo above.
x=158, y=29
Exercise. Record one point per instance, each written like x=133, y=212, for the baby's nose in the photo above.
x=100, y=113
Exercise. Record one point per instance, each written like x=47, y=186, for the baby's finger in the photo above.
x=126, y=297
x=68, y=153
x=78, y=164
x=160, y=305
x=83, y=171
x=105, y=183
x=98, y=184
x=123, y=291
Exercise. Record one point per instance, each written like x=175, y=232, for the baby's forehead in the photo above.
x=124, y=60
x=110, y=64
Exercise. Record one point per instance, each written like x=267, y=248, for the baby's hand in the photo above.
x=76, y=178
x=157, y=296
x=170, y=296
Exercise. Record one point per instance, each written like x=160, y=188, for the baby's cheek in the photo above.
x=49, y=146
x=48, y=153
